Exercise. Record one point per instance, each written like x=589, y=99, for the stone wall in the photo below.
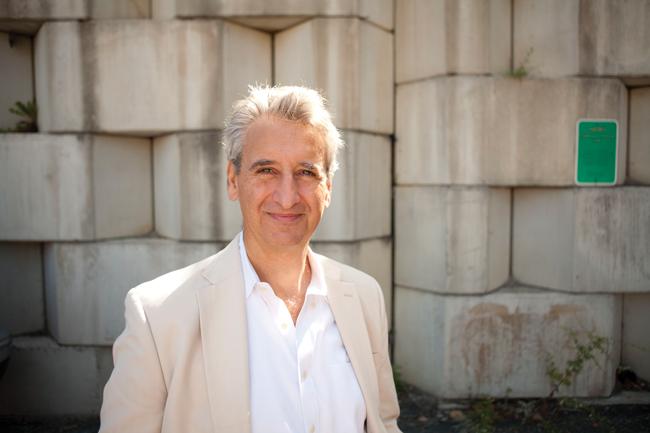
x=501, y=260
x=125, y=179
x=460, y=119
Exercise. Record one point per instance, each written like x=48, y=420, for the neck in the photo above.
x=286, y=269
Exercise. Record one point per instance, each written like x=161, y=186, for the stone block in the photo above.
x=190, y=188
x=74, y=187
x=499, y=344
x=118, y=9
x=41, y=10
x=582, y=239
x=145, y=77
x=597, y=37
x=500, y=131
x=639, y=158
x=27, y=16
x=276, y=14
x=350, y=60
x=361, y=191
x=17, y=77
x=21, y=284
x=44, y=378
x=372, y=256
x=438, y=37
x=635, y=340
x=86, y=283
x=452, y=239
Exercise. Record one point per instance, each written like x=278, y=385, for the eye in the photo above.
x=265, y=170
x=307, y=173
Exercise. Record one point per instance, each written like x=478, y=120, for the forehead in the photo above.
x=274, y=136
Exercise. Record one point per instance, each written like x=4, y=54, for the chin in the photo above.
x=287, y=239
x=287, y=236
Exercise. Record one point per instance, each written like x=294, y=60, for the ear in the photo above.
x=328, y=187
x=232, y=178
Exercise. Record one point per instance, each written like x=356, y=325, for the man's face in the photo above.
x=282, y=186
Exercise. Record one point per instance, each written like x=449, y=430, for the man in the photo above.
x=265, y=336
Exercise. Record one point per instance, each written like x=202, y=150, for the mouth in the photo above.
x=285, y=217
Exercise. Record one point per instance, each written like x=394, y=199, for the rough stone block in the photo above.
x=452, y=239
x=438, y=37
x=117, y=9
x=361, y=194
x=145, y=77
x=21, y=286
x=74, y=187
x=639, y=158
x=500, y=131
x=27, y=16
x=583, y=239
x=499, y=344
x=276, y=14
x=190, y=188
x=372, y=256
x=574, y=37
x=16, y=71
x=44, y=378
x=350, y=60
x=635, y=341
x=86, y=283
x=41, y=10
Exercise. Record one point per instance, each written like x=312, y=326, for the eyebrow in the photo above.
x=309, y=165
x=267, y=162
x=261, y=163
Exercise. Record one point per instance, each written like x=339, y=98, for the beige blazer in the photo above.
x=181, y=363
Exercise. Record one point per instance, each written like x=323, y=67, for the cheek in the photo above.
x=255, y=191
x=319, y=195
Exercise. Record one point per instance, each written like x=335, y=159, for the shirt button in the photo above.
x=312, y=429
x=304, y=376
x=284, y=326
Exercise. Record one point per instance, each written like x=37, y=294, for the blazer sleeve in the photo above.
x=135, y=394
x=388, y=404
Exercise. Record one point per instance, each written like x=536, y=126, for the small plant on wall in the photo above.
x=585, y=352
x=28, y=114
x=523, y=69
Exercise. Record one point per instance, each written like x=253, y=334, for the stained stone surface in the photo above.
x=452, y=239
x=499, y=344
x=74, y=187
x=582, y=239
x=482, y=130
x=145, y=77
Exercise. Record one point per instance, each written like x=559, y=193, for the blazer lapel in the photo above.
x=348, y=314
x=224, y=337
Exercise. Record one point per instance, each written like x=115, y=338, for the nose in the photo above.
x=286, y=192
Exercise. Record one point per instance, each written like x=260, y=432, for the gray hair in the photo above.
x=294, y=103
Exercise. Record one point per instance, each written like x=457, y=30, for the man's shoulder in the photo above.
x=176, y=283
x=367, y=286
x=368, y=290
x=347, y=272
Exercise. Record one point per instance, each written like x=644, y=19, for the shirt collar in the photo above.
x=316, y=286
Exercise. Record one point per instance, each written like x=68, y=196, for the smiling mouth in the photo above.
x=285, y=218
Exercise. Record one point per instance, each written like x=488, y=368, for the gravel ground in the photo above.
x=421, y=414
x=48, y=425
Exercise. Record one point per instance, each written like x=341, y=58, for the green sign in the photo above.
x=597, y=141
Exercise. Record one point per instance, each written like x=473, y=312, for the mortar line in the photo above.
x=273, y=59
x=393, y=141
x=511, y=256
x=512, y=35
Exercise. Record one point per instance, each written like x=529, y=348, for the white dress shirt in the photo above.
x=302, y=380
